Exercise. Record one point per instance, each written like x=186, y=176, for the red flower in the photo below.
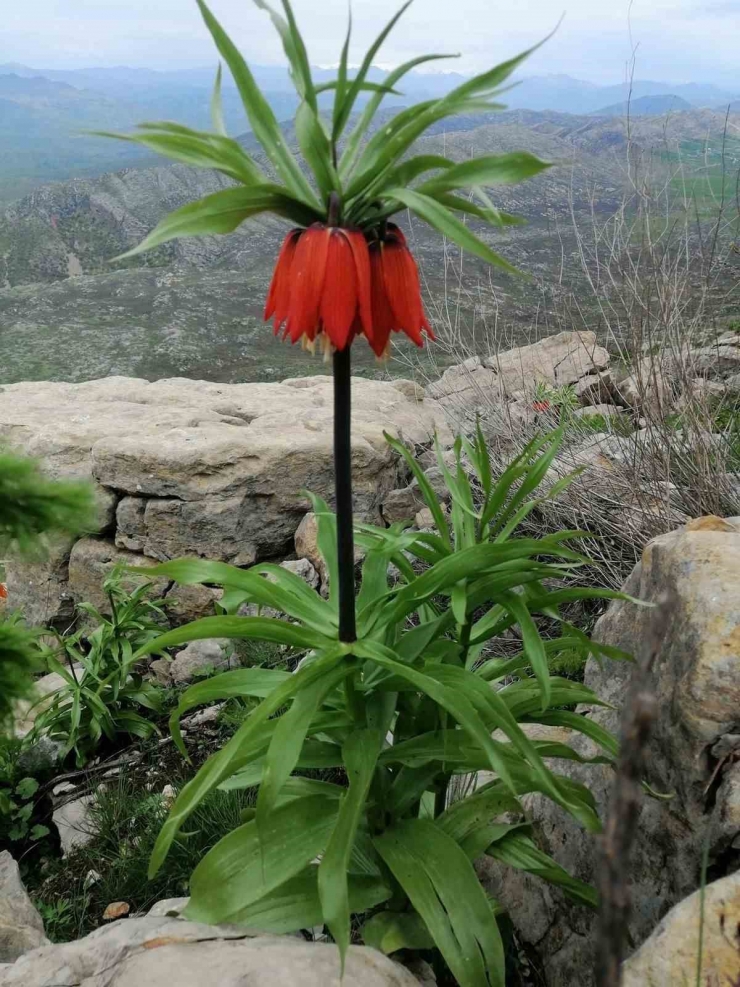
x=396, y=293
x=3, y=591
x=541, y=405
x=321, y=286
x=329, y=285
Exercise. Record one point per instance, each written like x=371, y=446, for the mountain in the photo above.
x=645, y=106
x=193, y=307
x=44, y=113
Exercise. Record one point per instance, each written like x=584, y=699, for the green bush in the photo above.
x=102, y=698
x=415, y=702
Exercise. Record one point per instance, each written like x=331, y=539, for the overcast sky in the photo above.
x=679, y=40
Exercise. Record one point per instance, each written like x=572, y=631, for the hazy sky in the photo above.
x=679, y=40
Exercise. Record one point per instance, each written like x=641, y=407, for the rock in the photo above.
x=21, y=926
x=480, y=384
x=171, y=907
x=197, y=658
x=646, y=390
x=75, y=824
x=183, y=604
x=595, y=388
x=91, y=562
x=198, y=467
x=307, y=548
x=150, y=951
x=697, y=682
x=116, y=910
x=28, y=712
x=710, y=523
x=598, y=410
x=424, y=519
x=39, y=587
x=702, y=392
x=731, y=384
x=671, y=954
x=40, y=757
x=401, y=505
x=169, y=794
x=305, y=569
x=715, y=361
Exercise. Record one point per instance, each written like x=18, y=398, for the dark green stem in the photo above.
x=343, y=488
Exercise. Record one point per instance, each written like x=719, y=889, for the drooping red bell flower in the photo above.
x=396, y=292
x=321, y=286
x=3, y=591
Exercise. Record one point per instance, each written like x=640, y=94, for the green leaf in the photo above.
x=360, y=754
x=290, y=733
x=441, y=219
x=222, y=213
x=198, y=149
x=326, y=541
x=240, y=628
x=243, y=747
x=295, y=50
x=239, y=682
x=489, y=169
x=26, y=788
x=444, y=889
x=341, y=81
x=355, y=85
x=246, y=865
x=390, y=931
x=39, y=832
x=354, y=141
x=295, y=905
x=533, y=646
x=312, y=610
x=316, y=148
x=217, y=110
x=519, y=851
x=427, y=492
x=263, y=121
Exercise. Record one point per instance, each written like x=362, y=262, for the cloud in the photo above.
x=680, y=40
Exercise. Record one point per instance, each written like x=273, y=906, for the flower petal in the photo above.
x=360, y=250
x=307, y=274
x=384, y=321
x=339, y=295
x=278, y=296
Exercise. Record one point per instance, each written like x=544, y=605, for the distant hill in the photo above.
x=645, y=106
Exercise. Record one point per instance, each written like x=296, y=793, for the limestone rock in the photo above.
x=595, y=388
x=481, y=384
x=671, y=954
x=716, y=361
x=202, y=468
x=197, y=658
x=150, y=951
x=93, y=559
x=21, y=926
x=28, y=711
x=75, y=824
x=183, y=604
x=697, y=683
x=303, y=568
x=402, y=504
x=646, y=390
x=598, y=410
x=307, y=545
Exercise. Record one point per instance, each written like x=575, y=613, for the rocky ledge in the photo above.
x=188, y=467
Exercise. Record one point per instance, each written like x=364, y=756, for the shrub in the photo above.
x=102, y=689
x=416, y=702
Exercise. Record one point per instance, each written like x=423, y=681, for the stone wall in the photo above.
x=186, y=467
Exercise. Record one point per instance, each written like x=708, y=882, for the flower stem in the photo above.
x=343, y=489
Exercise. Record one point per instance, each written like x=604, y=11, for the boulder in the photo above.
x=304, y=569
x=595, y=388
x=556, y=361
x=198, y=658
x=75, y=824
x=193, y=467
x=691, y=755
x=402, y=504
x=157, y=949
x=715, y=361
x=647, y=389
x=671, y=954
x=598, y=411
x=21, y=926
